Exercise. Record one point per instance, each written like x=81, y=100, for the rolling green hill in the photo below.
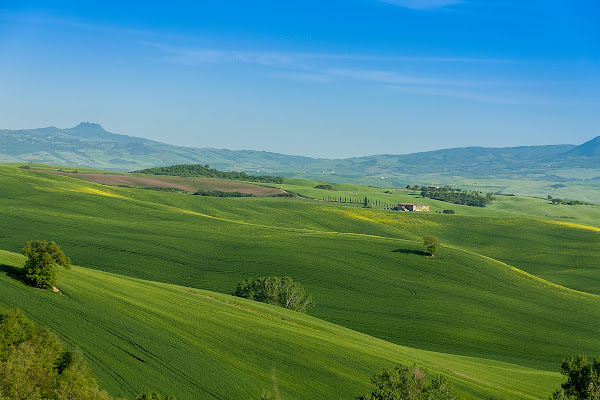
x=140, y=335
x=504, y=286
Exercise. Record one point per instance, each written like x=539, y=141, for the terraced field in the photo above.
x=504, y=286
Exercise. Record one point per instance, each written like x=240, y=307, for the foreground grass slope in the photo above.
x=140, y=335
x=363, y=267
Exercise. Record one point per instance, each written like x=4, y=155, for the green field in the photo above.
x=503, y=288
x=140, y=335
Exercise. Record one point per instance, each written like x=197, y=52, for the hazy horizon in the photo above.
x=303, y=155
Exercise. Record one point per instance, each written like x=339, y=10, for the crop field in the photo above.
x=580, y=183
x=194, y=344
x=503, y=288
x=502, y=206
x=173, y=182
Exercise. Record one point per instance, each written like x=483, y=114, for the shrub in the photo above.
x=448, y=211
x=324, y=187
x=409, y=383
x=283, y=292
x=153, y=396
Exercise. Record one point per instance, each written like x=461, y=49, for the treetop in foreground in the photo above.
x=34, y=365
x=583, y=379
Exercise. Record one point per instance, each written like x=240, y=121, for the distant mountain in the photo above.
x=89, y=145
x=588, y=149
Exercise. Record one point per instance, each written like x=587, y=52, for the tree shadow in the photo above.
x=13, y=272
x=411, y=251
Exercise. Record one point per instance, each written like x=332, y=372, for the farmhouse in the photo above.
x=411, y=207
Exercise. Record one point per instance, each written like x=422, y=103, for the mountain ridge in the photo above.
x=96, y=131
x=588, y=149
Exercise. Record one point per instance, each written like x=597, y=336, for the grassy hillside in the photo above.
x=577, y=183
x=363, y=267
x=140, y=335
x=502, y=206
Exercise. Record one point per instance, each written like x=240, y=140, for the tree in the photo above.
x=33, y=364
x=409, y=383
x=42, y=257
x=583, y=379
x=432, y=244
x=283, y=292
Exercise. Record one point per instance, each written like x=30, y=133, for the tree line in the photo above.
x=219, y=193
x=204, y=171
x=568, y=202
x=366, y=202
x=453, y=195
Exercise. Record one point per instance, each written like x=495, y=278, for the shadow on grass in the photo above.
x=410, y=251
x=13, y=272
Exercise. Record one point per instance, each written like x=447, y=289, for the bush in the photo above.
x=283, y=292
x=405, y=383
x=153, y=396
x=448, y=212
x=324, y=187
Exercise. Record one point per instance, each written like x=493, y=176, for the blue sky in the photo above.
x=318, y=78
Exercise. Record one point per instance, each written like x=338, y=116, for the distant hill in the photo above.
x=89, y=145
x=588, y=149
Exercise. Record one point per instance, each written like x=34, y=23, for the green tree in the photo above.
x=283, y=292
x=432, y=244
x=33, y=364
x=42, y=259
x=409, y=383
x=583, y=379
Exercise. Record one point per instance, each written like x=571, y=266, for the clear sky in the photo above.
x=318, y=78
